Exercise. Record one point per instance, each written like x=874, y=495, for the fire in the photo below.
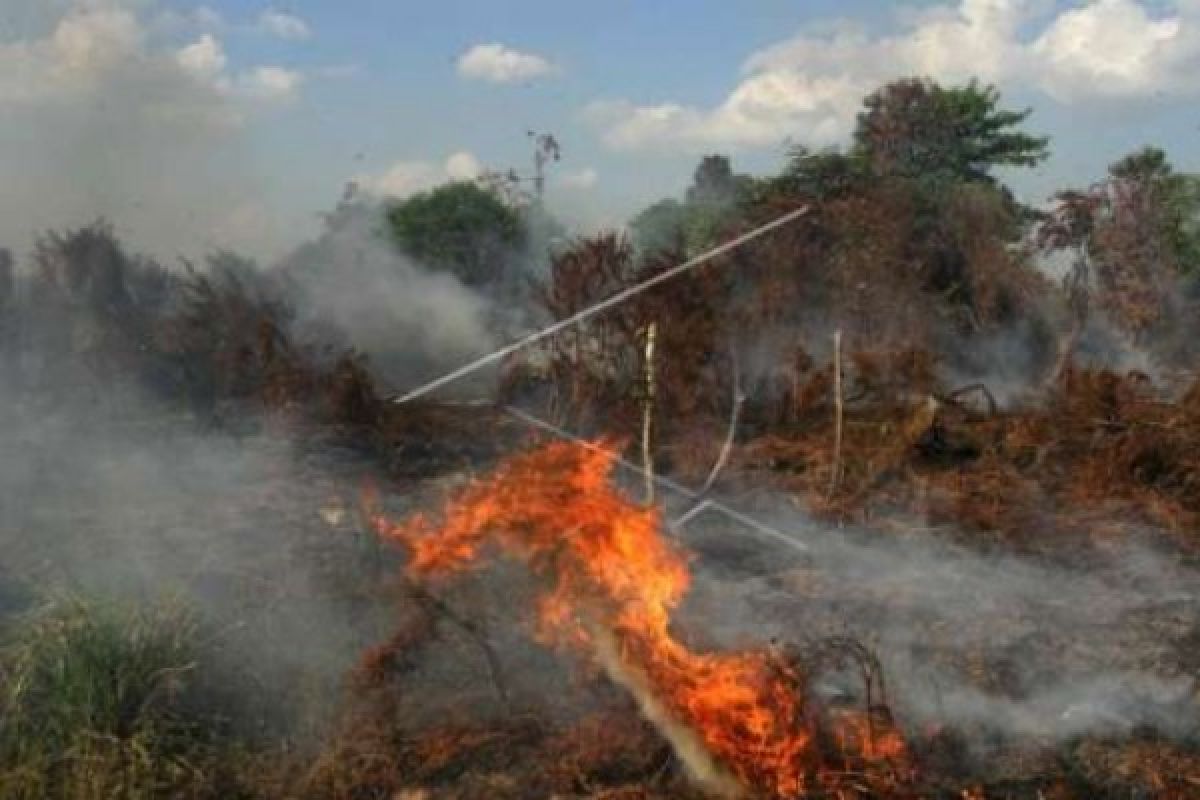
x=737, y=719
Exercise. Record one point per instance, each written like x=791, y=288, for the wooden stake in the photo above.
x=648, y=412
x=838, y=410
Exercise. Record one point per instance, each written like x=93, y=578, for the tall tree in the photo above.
x=917, y=129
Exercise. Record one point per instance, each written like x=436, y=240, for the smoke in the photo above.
x=134, y=502
x=108, y=115
x=413, y=323
x=116, y=478
x=1025, y=646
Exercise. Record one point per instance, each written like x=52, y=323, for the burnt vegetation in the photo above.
x=1006, y=379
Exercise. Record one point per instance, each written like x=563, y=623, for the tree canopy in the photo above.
x=915, y=128
x=459, y=227
x=709, y=203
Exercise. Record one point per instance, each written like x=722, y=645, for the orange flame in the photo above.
x=612, y=582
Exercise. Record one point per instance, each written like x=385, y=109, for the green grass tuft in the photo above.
x=100, y=701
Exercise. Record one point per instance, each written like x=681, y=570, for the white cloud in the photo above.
x=401, y=179
x=97, y=97
x=585, y=178
x=85, y=45
x=404, y=178
x=496, y=63
x=101, y=46
x=204, y=59
x=810, y=86
x=271, y=84
x=1118, y=48
x=284, y=25
x=463, y=166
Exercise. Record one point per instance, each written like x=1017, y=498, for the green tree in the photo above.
x=916, y=129
x=710, y=204
x=1168, y=202
x=819, y=175
x=917, y=190
x=460, y=227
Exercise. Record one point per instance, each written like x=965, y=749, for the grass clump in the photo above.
x=102, y=701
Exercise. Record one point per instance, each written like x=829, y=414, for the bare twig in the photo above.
x=953, y=397
x=735, y=412
x=439, y=608
x=702, y=504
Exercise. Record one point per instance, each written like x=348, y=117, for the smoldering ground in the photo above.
x=1021, y=647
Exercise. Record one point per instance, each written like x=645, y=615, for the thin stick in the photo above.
x=735, y=413
x=603, y=305
x=838, y=411
x=667, y=483
x=648, y=412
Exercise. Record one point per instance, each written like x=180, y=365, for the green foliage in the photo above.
x=710, y=204
x=1170, y=200
x=917, y=129
x=917, y=191
x=819, y=175
x=94, y=704
x=461, y=228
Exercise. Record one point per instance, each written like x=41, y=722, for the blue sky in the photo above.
x=194, y=125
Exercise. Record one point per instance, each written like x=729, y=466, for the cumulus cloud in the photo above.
x=204, y=59
x=810, y=85
x=497, y=63
x=585, y=178
x=404, y=178
x=102, y=101
x=1119, y=48
x=463, y=166
x=284, y=25
x=271, y=84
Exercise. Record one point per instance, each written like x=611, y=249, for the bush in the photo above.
x=99, y=701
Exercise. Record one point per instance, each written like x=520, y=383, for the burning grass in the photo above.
x=740, y=721
x=100, y=702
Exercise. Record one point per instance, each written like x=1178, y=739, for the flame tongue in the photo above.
x=734, y=718
x=686, y=743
